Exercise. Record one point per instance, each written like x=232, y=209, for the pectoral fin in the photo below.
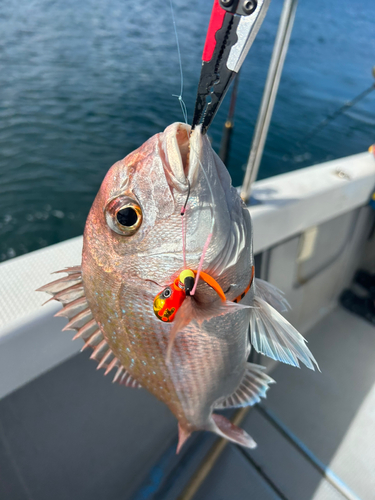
x=193, y=309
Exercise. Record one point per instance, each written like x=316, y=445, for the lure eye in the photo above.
x=123, y=215
x=166, y=293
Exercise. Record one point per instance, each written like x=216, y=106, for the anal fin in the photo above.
x=253, y=386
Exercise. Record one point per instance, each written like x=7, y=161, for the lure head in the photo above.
x=168, y=302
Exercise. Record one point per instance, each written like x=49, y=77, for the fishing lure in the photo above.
x=168, y=302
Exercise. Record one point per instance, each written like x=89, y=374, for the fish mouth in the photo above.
x=180, y=149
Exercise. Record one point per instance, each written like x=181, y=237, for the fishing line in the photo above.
x=183, y=211
x=175, y=329
x=174, y=332
x=208, y=240
x=183, y=220
x=179, y=97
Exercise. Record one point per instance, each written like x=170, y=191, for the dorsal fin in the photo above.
x=253, y=386
x=123, y=377
x=70, y=292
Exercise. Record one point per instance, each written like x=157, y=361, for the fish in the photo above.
x=168, y=207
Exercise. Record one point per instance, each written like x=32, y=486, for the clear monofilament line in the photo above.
x=179, y=97
x=184, y=223
x=201, y=263
x=183, y=210
x=208, y=240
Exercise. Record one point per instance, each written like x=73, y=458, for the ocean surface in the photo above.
x=84, y=83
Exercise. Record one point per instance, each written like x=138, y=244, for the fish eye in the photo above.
x=123, y=215
x=127, y=216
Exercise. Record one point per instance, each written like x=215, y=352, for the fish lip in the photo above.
x=180, y=149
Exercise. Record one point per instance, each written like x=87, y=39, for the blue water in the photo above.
x=84, y=83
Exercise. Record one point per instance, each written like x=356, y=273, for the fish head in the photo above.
x=135, y=224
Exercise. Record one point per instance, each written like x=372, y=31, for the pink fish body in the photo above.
x=133, y=249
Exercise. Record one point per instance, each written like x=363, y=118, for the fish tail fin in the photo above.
x=272, y=335
x=224, y=428
x=192, y=308
x=183, y=436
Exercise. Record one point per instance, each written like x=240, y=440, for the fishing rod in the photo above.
x=337, y=113
x=316, y=130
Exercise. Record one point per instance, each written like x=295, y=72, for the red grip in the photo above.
x=216, y=22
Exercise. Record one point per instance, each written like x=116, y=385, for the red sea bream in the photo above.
x=133, y=249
